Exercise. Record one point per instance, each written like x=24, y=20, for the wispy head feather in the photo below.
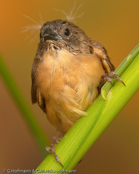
x=33, y=29
x=71, y=16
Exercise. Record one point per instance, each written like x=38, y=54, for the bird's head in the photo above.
x=64, y=35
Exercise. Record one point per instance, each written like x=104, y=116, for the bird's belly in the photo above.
x=66, y=103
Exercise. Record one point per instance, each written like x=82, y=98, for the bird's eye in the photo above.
x=67, y=32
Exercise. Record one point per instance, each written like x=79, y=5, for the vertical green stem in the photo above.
x=23, y=106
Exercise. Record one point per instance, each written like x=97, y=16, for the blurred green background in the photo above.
x=113, y=23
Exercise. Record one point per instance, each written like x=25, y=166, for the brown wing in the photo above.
x=101, y=52
x=35, y=92
x=33, y=86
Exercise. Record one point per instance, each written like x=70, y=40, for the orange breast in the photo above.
x=69, y=85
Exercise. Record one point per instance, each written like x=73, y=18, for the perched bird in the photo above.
x=67, y=73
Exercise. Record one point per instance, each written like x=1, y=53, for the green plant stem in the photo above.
x=87, y=129
x=23, y=107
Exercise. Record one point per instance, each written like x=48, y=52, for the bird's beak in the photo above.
x=52, y=37
x=49, y=34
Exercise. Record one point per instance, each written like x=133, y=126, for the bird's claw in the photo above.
x=107, y=77
x=52, y=150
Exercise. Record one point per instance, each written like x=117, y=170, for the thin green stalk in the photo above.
x=87, y=129
x=23, y=107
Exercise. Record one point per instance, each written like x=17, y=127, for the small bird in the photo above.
x=67, y=73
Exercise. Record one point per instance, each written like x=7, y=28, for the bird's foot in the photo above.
x=107, y=77
x=51, y=149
